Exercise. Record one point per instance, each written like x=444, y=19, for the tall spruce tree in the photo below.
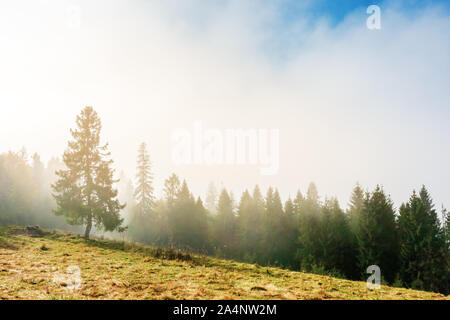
x=256, y=243
x=377, y=235
x=225, y=225
x=312, y=193
x=423, y=253
x=144, y=188
x=38, y=169
x=338, y=247
x=143, y=223
x=309, y=227
x=171, y=189
x=84, y=192
x=244, y=225
x=446, y=226
x=273, y=223
x=355, y=206
x=289, y=207
x=298, y=202
x=211, y=198
x=187, y=220
x=288, y=235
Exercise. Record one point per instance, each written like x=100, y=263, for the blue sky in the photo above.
x=334, y=10
x=337, y=10
x=278, y=21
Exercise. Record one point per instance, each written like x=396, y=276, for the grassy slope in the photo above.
x=28, y=267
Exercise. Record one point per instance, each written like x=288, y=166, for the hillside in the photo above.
x=33, y=266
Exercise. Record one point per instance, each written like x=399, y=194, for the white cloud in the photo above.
x=351, y=104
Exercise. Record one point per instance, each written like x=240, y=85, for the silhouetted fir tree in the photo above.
x=269, y=199
x=84, y=192
x=274, y=228
x=423, y=253
x=171, y=189
x=256, y=232
x=199, y=204
x=298, y=203
x=318, y=242
x=244, y=224
x=232, y=199
x=225, y=225
x=187, y=221
x=41, y=200
x=289, y=235
x=431, y=214
x=377, y=236
x=276, y=205
x=144, y=187
x=289, y=207
x=355, y=206
x=106, y=204
x=446, y=226
x=325, y=238
x=161, y=233
x=25, y=192
x=337, y=241
x=310, y=207
x=203, y=229
x=17, y=190
x=184, y=195
x=143, y=226
x=312, y=193
x=211, y=198
x=38, y=169
x=244, y=208
x=438, y=256
x=309, y=228
x=258, y=198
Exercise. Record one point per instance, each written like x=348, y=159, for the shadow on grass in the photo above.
x=195, y=259
x=9, y=245
x=6, y=241
x=123, y=246
x=7, y=233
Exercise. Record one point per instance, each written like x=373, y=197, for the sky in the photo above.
x=350, y=104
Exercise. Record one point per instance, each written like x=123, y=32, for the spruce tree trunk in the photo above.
x=88, y=227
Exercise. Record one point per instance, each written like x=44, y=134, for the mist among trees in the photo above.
x=308, y=233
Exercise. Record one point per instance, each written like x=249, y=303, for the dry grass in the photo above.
x=35, y=268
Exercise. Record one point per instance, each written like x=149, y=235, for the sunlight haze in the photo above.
x=351, y=104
